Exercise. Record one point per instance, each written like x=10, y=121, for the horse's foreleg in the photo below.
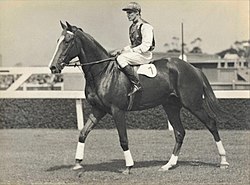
x=119, y=118
x=81, y=142
x=174, y=118
x=91, y=122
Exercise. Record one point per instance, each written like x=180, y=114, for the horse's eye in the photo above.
x=67, y=38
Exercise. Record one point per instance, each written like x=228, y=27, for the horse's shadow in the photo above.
x=115, y=165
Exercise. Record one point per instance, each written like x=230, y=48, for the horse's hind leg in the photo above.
x=210, y=124
x=173, y=112
x=93, y=119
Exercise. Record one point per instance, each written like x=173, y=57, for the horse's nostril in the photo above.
x=53, y=69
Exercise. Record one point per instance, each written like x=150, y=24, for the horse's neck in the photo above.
x=92, y=52
x=95, y=70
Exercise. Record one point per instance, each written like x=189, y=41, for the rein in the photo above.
x=74, y=64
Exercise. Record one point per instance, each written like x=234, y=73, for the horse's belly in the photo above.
x=153, y=93
x=144, y=106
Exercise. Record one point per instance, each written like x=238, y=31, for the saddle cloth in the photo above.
x=147, y=70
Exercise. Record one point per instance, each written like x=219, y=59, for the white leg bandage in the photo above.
x=172, y=162
x=128, y=158
x=80, y=150
x=222, y=152
x=220, y=148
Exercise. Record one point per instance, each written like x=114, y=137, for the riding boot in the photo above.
x=129, y=71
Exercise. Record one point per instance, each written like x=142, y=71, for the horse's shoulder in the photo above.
x=112, y=66
x=114, y=70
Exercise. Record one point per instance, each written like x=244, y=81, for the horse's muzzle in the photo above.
x=54, y=70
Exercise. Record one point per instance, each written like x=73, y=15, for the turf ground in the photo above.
x=46, y=156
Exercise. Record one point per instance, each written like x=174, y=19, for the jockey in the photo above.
x=142, y=43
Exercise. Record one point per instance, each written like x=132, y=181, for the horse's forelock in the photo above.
x=75, y=29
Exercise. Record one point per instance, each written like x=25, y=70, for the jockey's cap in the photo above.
x=133, y=6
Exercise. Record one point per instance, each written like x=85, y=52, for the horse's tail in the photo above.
x=210, y=100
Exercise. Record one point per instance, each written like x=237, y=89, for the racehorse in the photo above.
x=177, y=84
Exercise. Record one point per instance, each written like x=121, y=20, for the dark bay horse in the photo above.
x=177, y=84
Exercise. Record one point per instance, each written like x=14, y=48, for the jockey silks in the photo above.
x=135, y=34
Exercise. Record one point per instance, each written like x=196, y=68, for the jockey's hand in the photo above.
x=116, y=53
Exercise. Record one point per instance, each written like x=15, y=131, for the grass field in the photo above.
x=45, y=156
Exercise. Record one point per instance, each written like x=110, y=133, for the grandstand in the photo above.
x=223, y=74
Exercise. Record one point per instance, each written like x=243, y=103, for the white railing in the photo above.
x=222, y=94
x=26, y=72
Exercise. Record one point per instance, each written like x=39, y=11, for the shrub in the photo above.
x=61, y=113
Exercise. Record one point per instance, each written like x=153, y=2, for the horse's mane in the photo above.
x=91, y=39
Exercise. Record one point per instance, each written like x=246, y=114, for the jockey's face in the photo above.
x=132, y=15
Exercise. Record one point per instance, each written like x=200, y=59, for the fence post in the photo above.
x=233, y=84
x=79, y=114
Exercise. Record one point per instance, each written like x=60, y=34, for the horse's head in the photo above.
x=66, y=49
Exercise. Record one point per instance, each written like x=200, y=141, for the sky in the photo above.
x=29, y=29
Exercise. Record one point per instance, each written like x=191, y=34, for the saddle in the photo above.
x=148, y=70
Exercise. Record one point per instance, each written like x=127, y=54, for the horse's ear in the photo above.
x=63, y=25
x=69, y=26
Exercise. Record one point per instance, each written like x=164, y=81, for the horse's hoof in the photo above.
x=127, y=171
x=163, y=169
x=166, y=167
x=77, y=167
x=224, y=165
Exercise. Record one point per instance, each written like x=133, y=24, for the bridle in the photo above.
x=77, y=63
